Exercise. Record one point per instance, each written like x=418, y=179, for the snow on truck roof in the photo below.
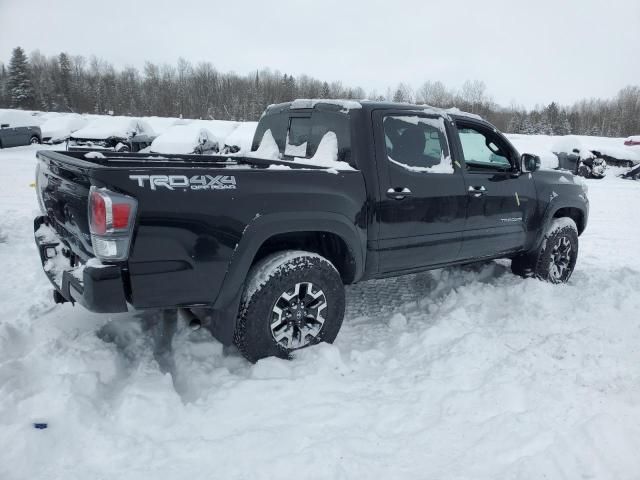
x=347, y=105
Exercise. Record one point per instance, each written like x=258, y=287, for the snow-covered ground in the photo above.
x=461, y=373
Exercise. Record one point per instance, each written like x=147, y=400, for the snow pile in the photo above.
x=59, y=127
x=268, y=148
x=466, y=373
x=326, y=155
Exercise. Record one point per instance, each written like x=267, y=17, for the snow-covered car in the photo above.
x=191, y=138
x=18, y=128
x=159, y=125
x=632, y=141
x=58, y=129
x=119, y=134
x=239, y=140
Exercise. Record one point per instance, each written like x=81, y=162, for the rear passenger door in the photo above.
x=423, y=202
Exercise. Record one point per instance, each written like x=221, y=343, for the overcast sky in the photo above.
x=528, y=52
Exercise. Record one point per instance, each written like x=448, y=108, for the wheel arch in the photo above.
x=331, y=235
x=576, y=214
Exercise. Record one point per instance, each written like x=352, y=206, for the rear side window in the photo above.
x=277, y=124
x=324, y=122
x=417, y=143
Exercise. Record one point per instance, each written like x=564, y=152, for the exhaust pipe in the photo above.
x=194, y=322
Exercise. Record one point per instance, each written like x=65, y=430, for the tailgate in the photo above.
x=63, y=194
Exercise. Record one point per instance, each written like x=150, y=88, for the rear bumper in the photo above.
x=99, y=288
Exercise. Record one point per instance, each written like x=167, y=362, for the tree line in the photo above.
x=76, y=84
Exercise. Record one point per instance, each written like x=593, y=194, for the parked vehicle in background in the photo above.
x=58, y=129
x=585, y=163
x=632, y=141
x=18, y=128
x=259, y=247
x=190, y=138
x=159, y=125
x=239, y=140
x=118, y=134
x=633, y=173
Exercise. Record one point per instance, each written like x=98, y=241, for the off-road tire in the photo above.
x=539, y=264
x=266, y=283
x=34, y=140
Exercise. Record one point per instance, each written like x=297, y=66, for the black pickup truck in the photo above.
x=333, y=192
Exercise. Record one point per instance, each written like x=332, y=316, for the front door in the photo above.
x=423, y=202
x=501, y=199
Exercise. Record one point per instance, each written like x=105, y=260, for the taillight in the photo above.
x=111, y=218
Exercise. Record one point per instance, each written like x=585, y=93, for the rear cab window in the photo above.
x=299, y=134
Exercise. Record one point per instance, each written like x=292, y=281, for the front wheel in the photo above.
x=556, y=258
x=292, y=299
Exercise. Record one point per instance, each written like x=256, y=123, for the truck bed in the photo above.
x=109, y=159
x=194, y=212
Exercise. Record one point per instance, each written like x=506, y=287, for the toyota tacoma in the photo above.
x=332, y=193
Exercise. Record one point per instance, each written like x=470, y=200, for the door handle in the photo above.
x=398, y=193
x=477, y=191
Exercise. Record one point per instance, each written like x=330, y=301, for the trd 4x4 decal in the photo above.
x=196, y=182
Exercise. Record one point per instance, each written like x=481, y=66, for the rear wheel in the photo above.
x=292, y=300
x=556, y=258
x=34, y=140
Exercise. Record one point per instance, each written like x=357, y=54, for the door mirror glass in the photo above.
x=530, y=163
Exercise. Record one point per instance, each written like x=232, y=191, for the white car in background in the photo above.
x=58, y=129
x=194, y=137
x=119, y=134
x=239, y=140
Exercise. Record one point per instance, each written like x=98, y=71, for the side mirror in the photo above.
x=4, y=125
x=529, y=162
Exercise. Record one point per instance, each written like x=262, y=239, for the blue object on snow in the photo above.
x=40, y=426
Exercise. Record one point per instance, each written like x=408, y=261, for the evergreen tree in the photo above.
x=21, y=92
x=325, y=92
x=65, y=79
x=515, y=124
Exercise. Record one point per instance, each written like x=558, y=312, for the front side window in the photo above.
x=417, y=143
x=483, y=150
